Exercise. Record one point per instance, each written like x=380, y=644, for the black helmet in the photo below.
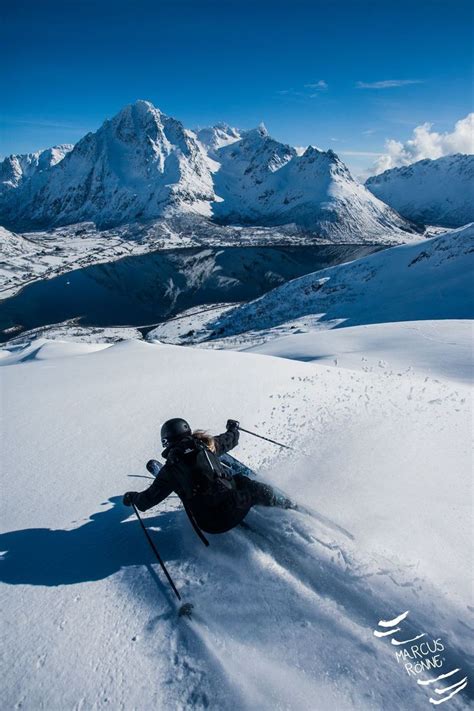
x=174, y=430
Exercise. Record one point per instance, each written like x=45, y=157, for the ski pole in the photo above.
x=267, y=439
x=158, y=557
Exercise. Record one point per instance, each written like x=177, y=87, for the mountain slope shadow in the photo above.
x=102, y=546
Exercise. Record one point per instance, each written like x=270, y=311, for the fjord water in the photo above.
x=150, y=288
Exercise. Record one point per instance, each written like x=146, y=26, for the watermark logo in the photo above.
x=420, y=654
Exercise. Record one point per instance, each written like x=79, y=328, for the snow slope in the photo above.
x=284, y=613
x=431, y=279
x=14, y=247
x=435, y=192
x=434, y=348
x=142, y=164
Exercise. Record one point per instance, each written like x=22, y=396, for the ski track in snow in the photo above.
x=285, y=610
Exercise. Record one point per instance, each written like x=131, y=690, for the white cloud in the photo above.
x=309, y=91
x=387, y=83
x=320, y=85
x=427, y=144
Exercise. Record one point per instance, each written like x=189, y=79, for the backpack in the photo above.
x=197, y=470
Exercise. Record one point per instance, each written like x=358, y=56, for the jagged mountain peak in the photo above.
x=329, y=157
x=140, y=106
x=324, y=163
x=215, y=137
x=261, y=150
x=312, y=151
x=141, y=113
x=141, y=121
x=257, y=134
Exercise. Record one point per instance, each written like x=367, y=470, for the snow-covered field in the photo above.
x=284, y=613
x=433, y=348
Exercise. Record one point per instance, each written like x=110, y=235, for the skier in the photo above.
x=215, y=501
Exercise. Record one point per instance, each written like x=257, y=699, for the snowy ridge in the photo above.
x=282, y=611
x=438, y=192
x=142, y=165
x=16, y=168
x=429, y=279
x=218, y=136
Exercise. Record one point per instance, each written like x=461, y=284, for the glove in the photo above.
x=153, y=467
x=129, y=498
x=232, y=425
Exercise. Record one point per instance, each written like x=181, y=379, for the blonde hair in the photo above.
x=206, y=438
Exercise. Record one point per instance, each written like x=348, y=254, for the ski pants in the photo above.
x=258, y=494
x=234, y=506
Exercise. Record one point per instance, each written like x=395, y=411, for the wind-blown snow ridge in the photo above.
x=438, y=192
x=143, y=164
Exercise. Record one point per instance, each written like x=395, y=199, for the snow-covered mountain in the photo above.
x=140, y=164
x=215, y=137
x=143, y=164
x=16, y=168
x=437, y=192
x=426, y=280
x=266, y=182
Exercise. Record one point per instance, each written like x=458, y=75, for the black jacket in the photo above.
x=174, y=477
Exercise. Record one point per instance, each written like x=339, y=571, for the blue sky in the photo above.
x=341, y=74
